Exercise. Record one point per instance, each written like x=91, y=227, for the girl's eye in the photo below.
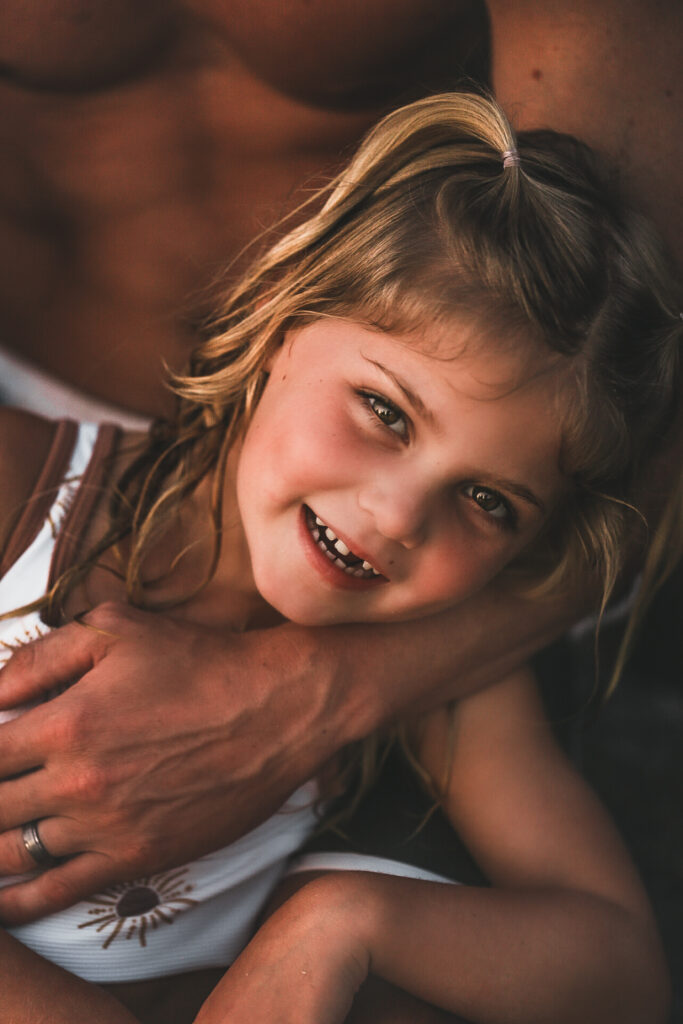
x=493, y=503
x=388, y=414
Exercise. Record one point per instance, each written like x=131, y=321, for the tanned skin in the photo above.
x=143, y=148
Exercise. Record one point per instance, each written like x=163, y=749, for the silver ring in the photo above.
x=35, y=847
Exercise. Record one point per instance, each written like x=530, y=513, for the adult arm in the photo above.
x=175, y=739
x=610, y=72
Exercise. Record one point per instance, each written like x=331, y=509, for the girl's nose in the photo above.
x=398, y=510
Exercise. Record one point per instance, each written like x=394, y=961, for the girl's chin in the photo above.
x=312, y=617
x=301, y=613
x=304, y=614
x=314, y=610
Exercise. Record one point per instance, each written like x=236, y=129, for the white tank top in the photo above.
x=198, y=915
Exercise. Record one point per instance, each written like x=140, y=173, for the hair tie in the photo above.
x=511, y=158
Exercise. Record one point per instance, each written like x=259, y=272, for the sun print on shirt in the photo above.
x=132, y=909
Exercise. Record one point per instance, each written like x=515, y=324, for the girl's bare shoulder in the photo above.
x=25, y=442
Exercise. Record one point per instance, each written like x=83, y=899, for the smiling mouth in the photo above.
x=336, y=550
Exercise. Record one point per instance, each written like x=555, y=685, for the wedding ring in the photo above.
x=35, y=847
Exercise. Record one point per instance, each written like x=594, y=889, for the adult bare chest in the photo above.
x=174, y=147
x=133, y=170
x=119, y=206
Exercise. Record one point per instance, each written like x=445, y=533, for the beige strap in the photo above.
x=81, y=510
x=33, y=514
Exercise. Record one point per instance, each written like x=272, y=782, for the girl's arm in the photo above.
x=34, y=991
x=564, y=935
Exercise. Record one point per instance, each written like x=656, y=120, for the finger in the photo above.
x=23, y=800
x=25, y=744
x=58, y=658
x=56, y=889
x=15, y=858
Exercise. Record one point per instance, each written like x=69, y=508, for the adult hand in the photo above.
x=174, y=741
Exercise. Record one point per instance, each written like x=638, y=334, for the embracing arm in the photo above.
x=565, y=933
x=176, y=739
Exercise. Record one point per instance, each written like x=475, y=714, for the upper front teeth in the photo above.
x=333, y=546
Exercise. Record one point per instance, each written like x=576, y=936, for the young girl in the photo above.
x=454, y=372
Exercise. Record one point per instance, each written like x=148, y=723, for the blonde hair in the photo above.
x=424, y=224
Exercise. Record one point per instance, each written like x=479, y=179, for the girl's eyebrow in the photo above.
x=520, y=490
x=415, y=400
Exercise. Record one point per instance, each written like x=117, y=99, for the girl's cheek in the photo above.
x=327, y=446
x=314, y=456
x=460, y=567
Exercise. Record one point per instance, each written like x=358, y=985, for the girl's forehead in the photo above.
x=490, y=363
x=455, y=358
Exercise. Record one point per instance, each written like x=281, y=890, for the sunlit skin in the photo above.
x=432, y=461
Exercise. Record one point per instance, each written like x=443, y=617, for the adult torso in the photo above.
x=142, y=152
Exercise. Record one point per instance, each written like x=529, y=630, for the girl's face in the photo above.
x=380, y=480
